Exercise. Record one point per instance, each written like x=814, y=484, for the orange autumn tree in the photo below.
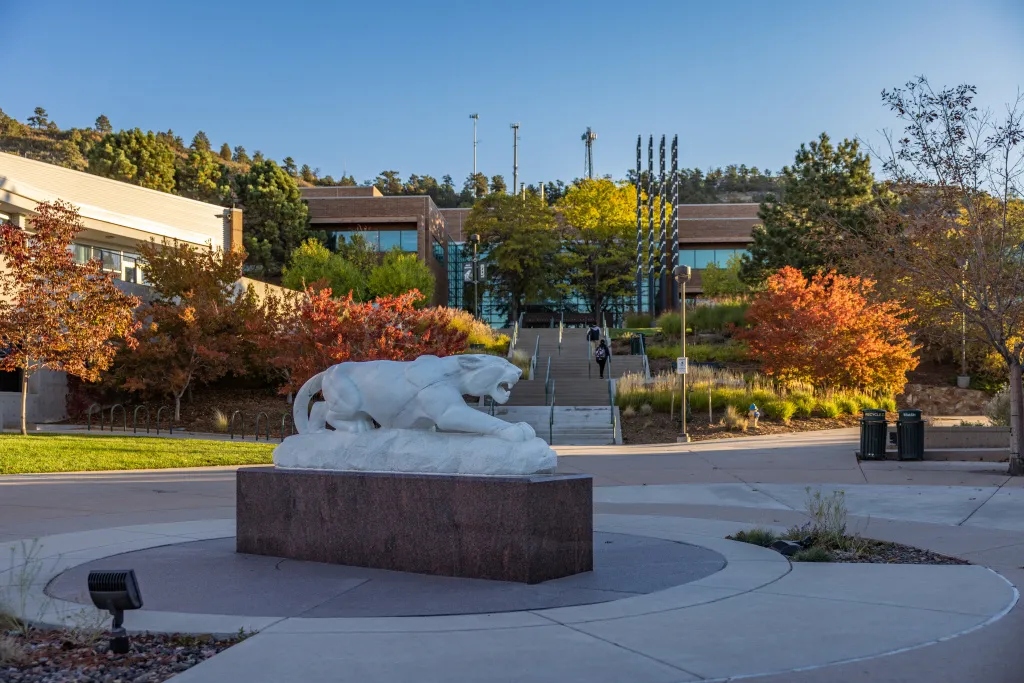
x=324, y=331
x=826, y=330
x=54, y=313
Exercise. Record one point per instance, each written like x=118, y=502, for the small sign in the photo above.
x=682, y=365
x=467, y=272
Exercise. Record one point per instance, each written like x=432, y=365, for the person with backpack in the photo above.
x=593, y=336
x=601, y=356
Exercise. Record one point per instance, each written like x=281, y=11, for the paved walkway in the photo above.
x=767, y=620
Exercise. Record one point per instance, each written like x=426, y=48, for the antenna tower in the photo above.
x=588, y=160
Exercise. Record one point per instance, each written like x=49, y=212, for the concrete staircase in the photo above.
x=583, y=412
x=573, y=425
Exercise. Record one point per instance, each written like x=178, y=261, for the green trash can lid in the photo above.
x=910, y=414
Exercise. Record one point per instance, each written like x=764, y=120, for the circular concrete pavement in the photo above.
x=209, y=576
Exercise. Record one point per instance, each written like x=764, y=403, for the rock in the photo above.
x=415, y=451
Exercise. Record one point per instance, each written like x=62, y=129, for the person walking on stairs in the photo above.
x=601, y=356
x=593, y=336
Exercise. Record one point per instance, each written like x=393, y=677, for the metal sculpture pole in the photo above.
x=639, y=230
x=650, y=224
x=675, y=214
x=663, y=228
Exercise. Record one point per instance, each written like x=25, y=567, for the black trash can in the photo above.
x=873, y=431
x=637, y=342
x=910, y=435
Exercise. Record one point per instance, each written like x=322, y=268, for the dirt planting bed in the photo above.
x=661, y=428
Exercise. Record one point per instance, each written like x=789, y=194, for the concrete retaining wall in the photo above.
x=47, y=400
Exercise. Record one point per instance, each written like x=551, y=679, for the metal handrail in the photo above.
x=643, y=354
x=533, y=359
x=561, y=330
x=611, y=399
x=551, y=416
x=515, y=339
x=547, y=374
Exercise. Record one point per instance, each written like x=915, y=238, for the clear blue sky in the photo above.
x=365, y=86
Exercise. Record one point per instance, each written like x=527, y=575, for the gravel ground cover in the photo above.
x=41, y=656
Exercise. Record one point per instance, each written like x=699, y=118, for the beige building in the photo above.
x=117, y=218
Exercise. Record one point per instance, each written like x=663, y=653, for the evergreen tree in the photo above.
x=388, y=182
x=306, y=173
x=200, y=142
x=240, y=156
x=225, y=152
x=289, y=166
x=201, y=177
x=498, y=184
x=274, y=216
x=827, y=192
x=39, y=119
x=103, y=124
x=257, y=158
x=135, y=157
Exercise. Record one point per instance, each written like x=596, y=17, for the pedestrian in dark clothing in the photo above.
x=601, y=356
x=593, y=336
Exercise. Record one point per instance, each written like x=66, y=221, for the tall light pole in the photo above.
x=682, y=274
x=515, y=155
x=475, y=117
x=475, y=239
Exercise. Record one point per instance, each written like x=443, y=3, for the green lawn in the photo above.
x=81, y=453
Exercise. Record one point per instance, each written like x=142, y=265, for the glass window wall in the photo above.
x=700, y=258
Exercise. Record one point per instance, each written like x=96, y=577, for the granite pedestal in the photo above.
x=523, y=529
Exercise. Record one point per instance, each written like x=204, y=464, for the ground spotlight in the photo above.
x=116, y=591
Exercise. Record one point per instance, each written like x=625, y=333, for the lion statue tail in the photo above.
x=300, y=407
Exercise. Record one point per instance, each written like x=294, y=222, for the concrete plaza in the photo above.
x=760, y=618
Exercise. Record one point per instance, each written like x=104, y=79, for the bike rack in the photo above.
x=88, y=417
x=170, y=420
x=135, y=419
x=124, y=416
x=231, y=425
x=284, y=420
x=266, y=419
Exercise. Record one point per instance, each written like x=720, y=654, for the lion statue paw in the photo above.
x=520, y=431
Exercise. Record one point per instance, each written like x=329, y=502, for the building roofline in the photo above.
x=119, y=183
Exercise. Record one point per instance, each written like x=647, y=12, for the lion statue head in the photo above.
x=484, y=375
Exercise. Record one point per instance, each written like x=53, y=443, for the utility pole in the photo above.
x=475, y=117
x=515, y=155
x=588, y=161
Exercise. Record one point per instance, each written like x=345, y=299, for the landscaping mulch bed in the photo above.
x=50, y=657
x=884, y=552
x=662, y=428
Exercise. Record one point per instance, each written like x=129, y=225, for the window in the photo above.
x=132, y=272
x=438, y=251
x=81, y=252
x=700, y=258
x=409, y=240
x=390, y=239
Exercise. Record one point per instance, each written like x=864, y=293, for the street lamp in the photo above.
x=964, y=380
x=475, y=239
x=682, y=274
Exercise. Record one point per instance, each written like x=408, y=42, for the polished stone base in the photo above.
x=523, y=529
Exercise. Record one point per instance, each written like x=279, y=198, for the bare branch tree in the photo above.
x=954, y=238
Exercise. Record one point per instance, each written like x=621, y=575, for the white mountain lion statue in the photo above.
x=425, y=424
